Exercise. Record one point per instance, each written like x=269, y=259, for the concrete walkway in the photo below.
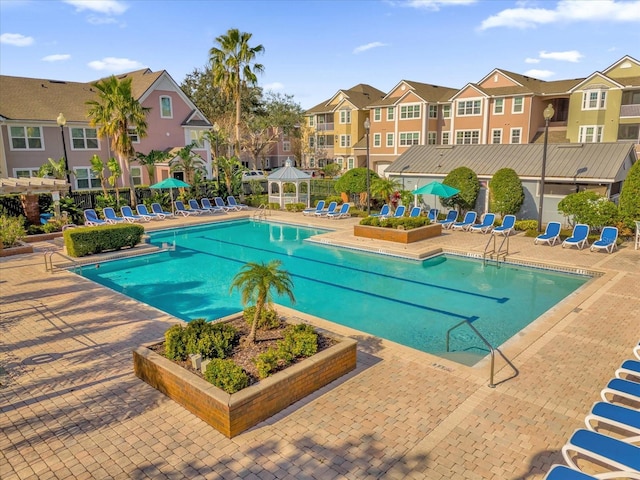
x=70, y=406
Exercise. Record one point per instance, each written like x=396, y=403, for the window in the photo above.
x=312, y=162
x=311, y=142
x=389, y=139
x=197, y=137
x=340, y=162
x=84, y=139
x=350, y=163
x=445, y=138
x=409, y=111
x=390, y=113
x=516, y=135
x=136, y=175
x=286, y=146
x=409, y=138
x=498, y=106
x=165, y=107
x=468, y=107
x=631, y=97
x=133, y=135
x=433, y=111
x=26, y=138
x=496, y=136
x=446, y=111
x=590, y=134
x=431, y=138
x=377, y=139
x=518, y=105
x=345, y=116
x=629, y=131
x=468, y=137
x=311, y=122
x=345, y=140
x=86, y=178
x=377, y=114
x=594, y=100
x=25, y=172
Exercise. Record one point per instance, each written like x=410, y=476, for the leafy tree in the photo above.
x=255, y=282
x=190, y=163
x=629, y=202
x=507, y=194
x=97, y=167
x=465, y=180
x=234, y=68
x=330, y=170
x=149, y=161
x=116, y=113
x=590, y=208
x=55, y=169
x=231, y=172
x=385, y=188
x=354, y=181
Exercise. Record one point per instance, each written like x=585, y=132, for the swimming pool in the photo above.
x=410, y=302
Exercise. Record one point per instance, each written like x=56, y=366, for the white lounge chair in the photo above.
x=578, y=238
x=607, y=241
x=551, y=234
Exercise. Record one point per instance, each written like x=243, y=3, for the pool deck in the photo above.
x=71, y=407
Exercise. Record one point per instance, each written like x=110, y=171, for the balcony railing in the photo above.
x=323, y=127
x=630, y=111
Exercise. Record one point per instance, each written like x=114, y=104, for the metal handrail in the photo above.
x=261, y=212
x=499, y=252
x=491, y=350
x=48, y=260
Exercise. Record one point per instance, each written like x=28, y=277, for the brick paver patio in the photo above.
x=71, y=407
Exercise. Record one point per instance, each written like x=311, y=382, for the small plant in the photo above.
x=295, y=207
x=300, y=340
x=174, y=345
x=226, y=375
x=268, y=362
x=11, y=230
x=526, y=225
x=274, y=206
x=268, y=318
x=217, y=341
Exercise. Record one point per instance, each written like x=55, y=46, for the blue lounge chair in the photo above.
x=131, y=217
x=220, y=204
x=400, y=209
x=551, y=234
x=384, y=211
x=468, y=220
x=562, y=472
x=330, y=209
x=415, y=212
x=616, y=416
x=452, y=216
x=433, y=215
x=508, y=222
x=311, y=211
x=636, y=351
x=180, y=208
x=605, y=450
x=91, y=218
x=607, y=241
x=618, y=387
x=629, y=368
x=206, y=205
x=486, y=225
x=195, y=206
x=343, y=213
x=157, y=209
x=578, y=237
x=111, y=217
x=144, y=212
x=231, y=200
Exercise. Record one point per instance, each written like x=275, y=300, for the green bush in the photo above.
x=526, y=225
x=507, y=193
x=407, y=223
x=268, y=362
x=85, y=241
x=274, y=206
x=354, y=181
x=629, y=202
x=268, y=318
x=465, y=180
x=299, y=340
x=174, y=345
x=192, y=333
x=211, y=340
x=226, y=375
x=256, y=200
x=295, y=207
x=11, y=230
x=590, y=208
x=333, y=198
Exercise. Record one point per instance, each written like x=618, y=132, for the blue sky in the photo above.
x=315, y=48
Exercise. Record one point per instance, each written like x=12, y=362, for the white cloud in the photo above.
x=531, y=60
x=56, y=57
x=541, y=74
x=566, y=11
x=569, y=56
x=274, y=86
x=95, y=20
x=435, y=5
x=107, y=7
x=16, y=39
x=112, y=64
x=368, y=46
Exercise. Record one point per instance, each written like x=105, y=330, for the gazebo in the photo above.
x=288, y=175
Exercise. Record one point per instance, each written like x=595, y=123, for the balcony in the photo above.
x=324, y=127
x=629, y=111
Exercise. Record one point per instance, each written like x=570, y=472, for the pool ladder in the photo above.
x=261, y=212
x=492, y=252
x=48, y=260
x=492, y=350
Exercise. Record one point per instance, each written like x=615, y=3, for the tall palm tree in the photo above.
x=97, y=166
x=149, y=162
x=234, y=69
x=117, y=113
x=255, y=281
x=190, y=163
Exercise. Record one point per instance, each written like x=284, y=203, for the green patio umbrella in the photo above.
x=171, y=183
x=435, y=188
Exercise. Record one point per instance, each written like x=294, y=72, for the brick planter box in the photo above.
x=399, y=236
x=233, y=414
x=19, y=249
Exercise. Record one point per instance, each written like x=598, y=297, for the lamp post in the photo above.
x=547, y=114
x=216, y=129
x=367, y=125
x=61, y=121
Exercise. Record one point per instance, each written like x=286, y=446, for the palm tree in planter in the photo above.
x=255, y=282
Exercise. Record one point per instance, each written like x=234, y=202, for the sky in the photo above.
x=315, y=48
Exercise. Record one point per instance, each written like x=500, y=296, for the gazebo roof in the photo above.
x=32, y=185
x=288, y=173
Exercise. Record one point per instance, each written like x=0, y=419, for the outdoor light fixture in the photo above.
x=61, y=121
x=547, y=114
x=367, y=125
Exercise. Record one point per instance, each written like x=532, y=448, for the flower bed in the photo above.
x=398, y=236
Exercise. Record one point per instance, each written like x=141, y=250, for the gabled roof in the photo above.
x=288, y=173
x=588, y=161
x=626, y=58
x=425, y=91
x=360, y=96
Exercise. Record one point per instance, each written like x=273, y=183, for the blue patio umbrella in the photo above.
x=170, y=183
x=435, y=188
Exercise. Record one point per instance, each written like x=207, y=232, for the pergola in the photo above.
x=288, y=174
x=29, y=188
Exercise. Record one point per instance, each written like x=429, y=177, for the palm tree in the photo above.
x=190, y=163
x=149, y=162
x=117, y=114
x=97, y=166
x=385, y=188
x=234, y=69
x=55, y=168
x=255, y=281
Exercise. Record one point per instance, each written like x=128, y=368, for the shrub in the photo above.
x=274, y=206
x=507, y=194
x=295, y=207
x=354, y=181
x=225, y=374
x=11, y=230
x=299, y=340
x=268, y=362
x=465, y=180
x=408, y=223
x=174, y=344
x=629, y=202
x=526, y=225
x=85, y=241
x=217, y=341
x=334, y=198
x=268, y=318
x=590, y=208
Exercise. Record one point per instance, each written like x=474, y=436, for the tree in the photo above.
x=231, y=170
x=354, y=181
x=114, y=173
x=117, y=114
x=149, y=162
x=465, y=180
x=507, y=194
x=55, y=169
x=590, y=208
x=97, y=166
x=629, y=203
x=330, y=170
x=385, y=188
x=190, y=163
x=234, y=69
x=255, y=282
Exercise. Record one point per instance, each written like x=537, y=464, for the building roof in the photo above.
x=288, y=173
x=585, y=161
x=361, y=96
x=427, y=92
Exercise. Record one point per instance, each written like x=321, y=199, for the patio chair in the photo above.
x=617, y=417
x=400, y=209
x=508, y=222
x=562, y=472
x=206, y=205
x=180, y=208
x=384, y=211
x=111, y=217
x=452, y=216
x=311, y=211
x=578, y=237
x=144, y=212
x=330, y=209
x=607, y=241
x=551, y=234
x=624, y=389
x=131, y=217
x=231, y=200
x=637, y=242
x=157, y=209
x=220, y=203
x=486, y=225
x=433, y=215
x=468, y=220
x=415, y=212
x=195, y=206
x=629, y=368
x=636, y=351
x=602, y=449
x=91, y=218
x=343, y=213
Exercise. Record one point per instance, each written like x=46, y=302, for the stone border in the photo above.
x=231, y=414
x=398, y=236
x=22, y=248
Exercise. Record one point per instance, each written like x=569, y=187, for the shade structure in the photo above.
x=171, y=183
x=435, y=188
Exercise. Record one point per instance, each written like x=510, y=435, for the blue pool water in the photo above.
x=410, y=302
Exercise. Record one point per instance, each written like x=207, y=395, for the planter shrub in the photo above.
x=406, y=223
x=295, y=207
x=86, y=241
x=226, y=375
x=11, y=230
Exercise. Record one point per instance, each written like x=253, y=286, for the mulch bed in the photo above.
x=245, y=352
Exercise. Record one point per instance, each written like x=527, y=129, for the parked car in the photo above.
x=253, y=175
